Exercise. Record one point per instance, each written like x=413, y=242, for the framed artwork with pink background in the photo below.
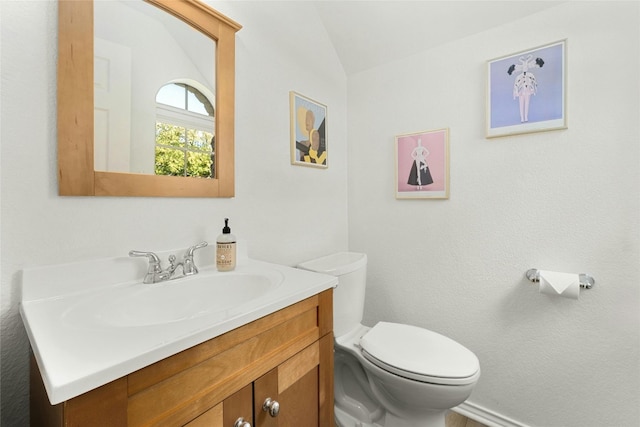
x=422, y=165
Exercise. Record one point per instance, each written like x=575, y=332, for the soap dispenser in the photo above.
x=226, y=249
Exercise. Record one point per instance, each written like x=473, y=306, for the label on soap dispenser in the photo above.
x=226, y=256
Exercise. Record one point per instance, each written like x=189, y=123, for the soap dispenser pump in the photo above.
x=226, y=249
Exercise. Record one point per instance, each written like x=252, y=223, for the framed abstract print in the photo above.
x=308, y=131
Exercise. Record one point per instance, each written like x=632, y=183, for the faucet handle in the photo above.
x=189, y=252
x=153, y=258
x=154, y=269
x=188, y=266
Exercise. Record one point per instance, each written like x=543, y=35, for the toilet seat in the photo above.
x=419, y=354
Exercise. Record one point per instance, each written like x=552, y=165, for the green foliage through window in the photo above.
x=185, y=144
x=183, y=152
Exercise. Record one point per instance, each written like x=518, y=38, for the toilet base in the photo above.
x=343, y=419
x=434, y=419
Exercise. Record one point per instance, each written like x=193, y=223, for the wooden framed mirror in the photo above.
x=77, y=175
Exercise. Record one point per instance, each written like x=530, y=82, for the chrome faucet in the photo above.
x=156, y=274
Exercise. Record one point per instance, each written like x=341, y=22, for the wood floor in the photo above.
x=456, y=420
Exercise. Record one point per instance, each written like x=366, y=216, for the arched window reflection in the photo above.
x=185, y=126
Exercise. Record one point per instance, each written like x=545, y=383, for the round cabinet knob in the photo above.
x=271, y=406
x=240, y=422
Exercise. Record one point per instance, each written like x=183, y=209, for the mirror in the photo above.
x=83, y=165
x=154, y=86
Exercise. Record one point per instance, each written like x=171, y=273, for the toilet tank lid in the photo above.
x=336, y=264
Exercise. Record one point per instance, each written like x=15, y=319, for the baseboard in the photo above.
x=485, y=416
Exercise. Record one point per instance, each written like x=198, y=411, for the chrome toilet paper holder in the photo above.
x=586, y=281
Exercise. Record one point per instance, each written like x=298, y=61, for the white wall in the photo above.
x=564, y=200
x=287, y=214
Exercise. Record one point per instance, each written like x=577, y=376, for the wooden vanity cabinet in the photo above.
x=286, y=356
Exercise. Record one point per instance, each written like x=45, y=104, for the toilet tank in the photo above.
x=348, y=296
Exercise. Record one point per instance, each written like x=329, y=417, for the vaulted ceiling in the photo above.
x=369, y=33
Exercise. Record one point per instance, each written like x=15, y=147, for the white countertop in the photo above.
x=76, y=355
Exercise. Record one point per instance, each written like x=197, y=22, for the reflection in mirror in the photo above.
x=154, y=89
x=184, y=132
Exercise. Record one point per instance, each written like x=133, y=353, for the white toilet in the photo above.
x=390, y=375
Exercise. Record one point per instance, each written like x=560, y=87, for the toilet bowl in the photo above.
x=391, y=374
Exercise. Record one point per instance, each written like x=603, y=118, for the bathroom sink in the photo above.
x=207, y=294
x=92, y=322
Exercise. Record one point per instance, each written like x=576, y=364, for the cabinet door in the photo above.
x=225, y=414
x=238, y=405
x=294, y=385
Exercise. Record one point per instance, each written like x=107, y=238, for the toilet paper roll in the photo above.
x=555, y=283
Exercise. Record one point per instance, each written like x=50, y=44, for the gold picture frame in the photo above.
x=308, y=120
x=422, y=165
x=527, y=91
